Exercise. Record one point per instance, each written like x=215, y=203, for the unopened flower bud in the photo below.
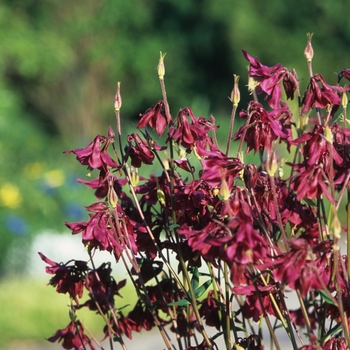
x=328, y=134
x=161, y=67
x=309, y=51
x=161, y=196
x=235, y=94
x=112, y=195
x=134, y=178
x=271, y=167
x=224, y=190
x=344, y=100
x=118, y=98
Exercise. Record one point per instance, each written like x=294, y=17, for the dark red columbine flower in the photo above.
x=155, y=118
x=209, y=309
x=218, y=166
x=264, y=127
x=73, y=337
x=102, y=232
x=290, y=81
x=295, y=268
x=319, y=94
x=125, y=326
x=140, y=151
x=94, y=156
x=191, y=135
x=317, y=149
x=69, y=278
x=269, y=80
x=335, y=343
x=141, y=318
x=344, y=73
x=193, y=201
x=311, y=182
x=103, y=288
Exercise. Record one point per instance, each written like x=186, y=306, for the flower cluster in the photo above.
x=262, y=235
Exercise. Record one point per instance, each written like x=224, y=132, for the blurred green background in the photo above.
x=60, y=62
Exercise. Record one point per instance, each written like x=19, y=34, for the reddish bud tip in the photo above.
x=309, y=51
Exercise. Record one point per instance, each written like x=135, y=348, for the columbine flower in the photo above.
x=217, y=166
x=311, y=182
x=317, y=149
x=139, y=150
x=73, y=337
x=101, y=231
x=257, y=300
x=68, y=278
x=269, y=79
x=191, y=135
x=155, y=118
x=320, y=95
x=335, y=343
x=93, y=156
x=141, y=318
x=103, y=288
x=209, y=310
x=295, y=268
x=264, y=127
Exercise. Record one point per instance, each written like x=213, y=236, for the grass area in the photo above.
x=32, y=311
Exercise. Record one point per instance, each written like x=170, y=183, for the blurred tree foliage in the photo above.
x=60, y=62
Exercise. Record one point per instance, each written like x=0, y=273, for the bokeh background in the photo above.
x=60, y=62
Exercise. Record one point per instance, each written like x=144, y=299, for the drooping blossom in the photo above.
x=141, y=318
x=344, y=73
x=191, y=135
x=317, y=150
x=72, y=337
x=257, y=300
x=296, y=268
x=95, y=154
x=155, y=118
x=264, y=127
x=310, y=182
x=210, y=310
x=103, y=288
x=193, y=201
x=140, y=151
x=335, y=343
x=68, y=278
x=218, y=166
x=269, y=79
x=319, y=94
x=102, y=232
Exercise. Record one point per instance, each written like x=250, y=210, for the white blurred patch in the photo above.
x=61, y=248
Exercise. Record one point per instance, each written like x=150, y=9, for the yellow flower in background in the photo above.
x=10, y=196
x=54, y=178
x=34, y=170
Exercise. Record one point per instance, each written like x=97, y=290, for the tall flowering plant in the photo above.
x=243, y=237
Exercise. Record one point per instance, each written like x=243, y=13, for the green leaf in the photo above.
x=325, y=297
x=201, y=290
x=182, y=302
x=173, y=226
x=195, y=278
